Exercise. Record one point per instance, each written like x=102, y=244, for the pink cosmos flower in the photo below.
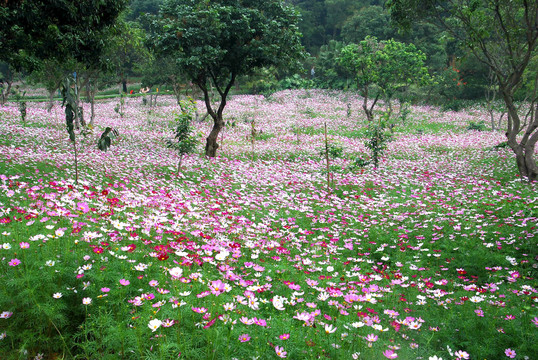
x=105, y=289
x=371, y=337
x=535, y=321
x=284, y=336
x=14, y=262
x=124, y=282
x=460, y=354
x=87, y=301
x=167, y=323
x=389, y=354
x=280, y=351
x=6, y=315
x=24, y=245
x=245, y=320
x=244, y=338
x=510, y=353
x=260, y=322
x=217, y=287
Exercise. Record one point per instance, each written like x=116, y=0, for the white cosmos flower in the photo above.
x=154, y=324
x=222, y=255
x=278, y=303
x=176, y=272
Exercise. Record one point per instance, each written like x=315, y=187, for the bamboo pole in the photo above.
x=327, y=160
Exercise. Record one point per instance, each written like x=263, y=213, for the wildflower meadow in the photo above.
x=266, y=251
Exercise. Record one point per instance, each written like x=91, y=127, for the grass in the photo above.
x=243, y=257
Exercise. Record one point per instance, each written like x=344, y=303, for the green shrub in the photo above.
x=477, y=126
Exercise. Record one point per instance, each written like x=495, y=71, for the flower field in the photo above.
x=250, y=255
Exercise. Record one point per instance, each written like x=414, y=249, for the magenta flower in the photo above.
x=217, y=287
x=124, y=282
x=510, y=353
x=389, y=354
x=24, y=245
x=82, y=206
x=105, y=289
x=284, y=336
x=244, y=338
x=14, y=262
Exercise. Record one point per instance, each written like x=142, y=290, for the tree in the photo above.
x=371, y=20
x=125, y=50
x=381, y=68
x=7, y=77
x=50, y=75
x=41, y=29
x=184, y=142
x=214, y=42
x=502, y=35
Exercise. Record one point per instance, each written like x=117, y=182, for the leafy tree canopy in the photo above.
x=41, y=29
x=501, y=34
x=383, y=67
x=217, y=41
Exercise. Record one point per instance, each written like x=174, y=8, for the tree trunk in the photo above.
x=51, y=100
x=92, y=109
x=524, y=149
x=211, y=145
x=77, y=102
x=179, y=165
x=5, y=94
x=124, y=85
x=9, y=81
x=368, y=112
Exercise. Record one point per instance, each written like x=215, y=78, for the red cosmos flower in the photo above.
x=5, y=220
x=104, y=192
x=211, y=322
x=98, y=250
x=113, y=201
x=162, y=248
x=131, y=247
x=163, y=255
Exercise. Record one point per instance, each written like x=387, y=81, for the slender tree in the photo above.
x=214, y=42
x=501, y=34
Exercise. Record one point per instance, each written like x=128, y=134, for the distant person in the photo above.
x=312, y=73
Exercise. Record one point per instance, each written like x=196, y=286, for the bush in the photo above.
x=478, y=126
x=452, y=105
x=335, y=151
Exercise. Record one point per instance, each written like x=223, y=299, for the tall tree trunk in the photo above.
x=524, y=149
x=92, y=109
x=211, y=145
x=51, y=100
x=5, y=94
x=77, y=102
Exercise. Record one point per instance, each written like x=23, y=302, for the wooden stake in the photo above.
x=327, y=160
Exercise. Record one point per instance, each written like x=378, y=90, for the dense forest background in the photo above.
x=326, y=27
